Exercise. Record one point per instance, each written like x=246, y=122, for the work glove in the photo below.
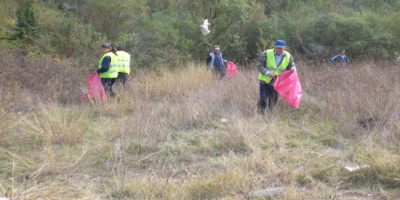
x=270, y=74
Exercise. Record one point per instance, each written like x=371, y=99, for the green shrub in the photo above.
x=166, y=33
x=26, y=27
x=361, y=35
x=65, y=36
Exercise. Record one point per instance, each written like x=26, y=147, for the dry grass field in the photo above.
x=165, y=138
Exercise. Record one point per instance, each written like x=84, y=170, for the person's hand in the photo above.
x=293, y=69
x=271, y=75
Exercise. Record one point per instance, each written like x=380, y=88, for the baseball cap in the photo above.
x=280, y=43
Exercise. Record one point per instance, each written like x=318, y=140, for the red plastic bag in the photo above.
x=231, y=69
x=95, y=89
x=288, y=86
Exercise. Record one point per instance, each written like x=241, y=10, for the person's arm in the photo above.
x=333, y=59
x=105, y=65
x=223, y=60
x=208, y=60
x=291, y=65
x=261, y=64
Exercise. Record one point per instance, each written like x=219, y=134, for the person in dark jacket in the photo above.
x=341, y=58
x=216, y=62
x=108, y=68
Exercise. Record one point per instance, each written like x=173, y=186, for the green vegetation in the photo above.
x=167, y=32
x=164, y=137
x=26, y=29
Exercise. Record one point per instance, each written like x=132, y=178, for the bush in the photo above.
x=167, y=32
x=162, y=41
x=26, y=26
x=67, y=36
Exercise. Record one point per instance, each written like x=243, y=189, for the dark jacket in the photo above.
x=216, y=61
x=339, y=59
x=105, y=64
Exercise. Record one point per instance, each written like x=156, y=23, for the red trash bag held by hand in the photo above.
x=231, y=69
x=288, y=86
x=95, y=89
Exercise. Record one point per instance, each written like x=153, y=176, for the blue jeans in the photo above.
x=268, y=97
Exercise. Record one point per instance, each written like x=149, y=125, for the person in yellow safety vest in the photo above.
x=108, y=68
x=124, y=65
x=271, y=63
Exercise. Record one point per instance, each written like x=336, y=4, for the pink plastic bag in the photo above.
x=288, y=86
x=231, y=69
x=95, y=89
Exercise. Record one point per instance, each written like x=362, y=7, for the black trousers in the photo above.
x=219, y=71
x=122, y=78
x=268, y=97
x=108, y=85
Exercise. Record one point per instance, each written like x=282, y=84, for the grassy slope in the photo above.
x=164, y=139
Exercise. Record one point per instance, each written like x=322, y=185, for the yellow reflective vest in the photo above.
x=113, y=69
x=271, y=65
x=124, y=62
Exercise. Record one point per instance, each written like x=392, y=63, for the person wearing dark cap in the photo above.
x=271, y=63
x=216, y=62
x=108, y=68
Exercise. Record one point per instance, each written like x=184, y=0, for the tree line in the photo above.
x=166, y=32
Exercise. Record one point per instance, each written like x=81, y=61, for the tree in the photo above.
x=26, y=28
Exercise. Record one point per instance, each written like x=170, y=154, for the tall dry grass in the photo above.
x=358, y=92
x=164, y=138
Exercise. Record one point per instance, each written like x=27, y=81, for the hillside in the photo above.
x=167, y=32
x=164, y=139
x=178, y=132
